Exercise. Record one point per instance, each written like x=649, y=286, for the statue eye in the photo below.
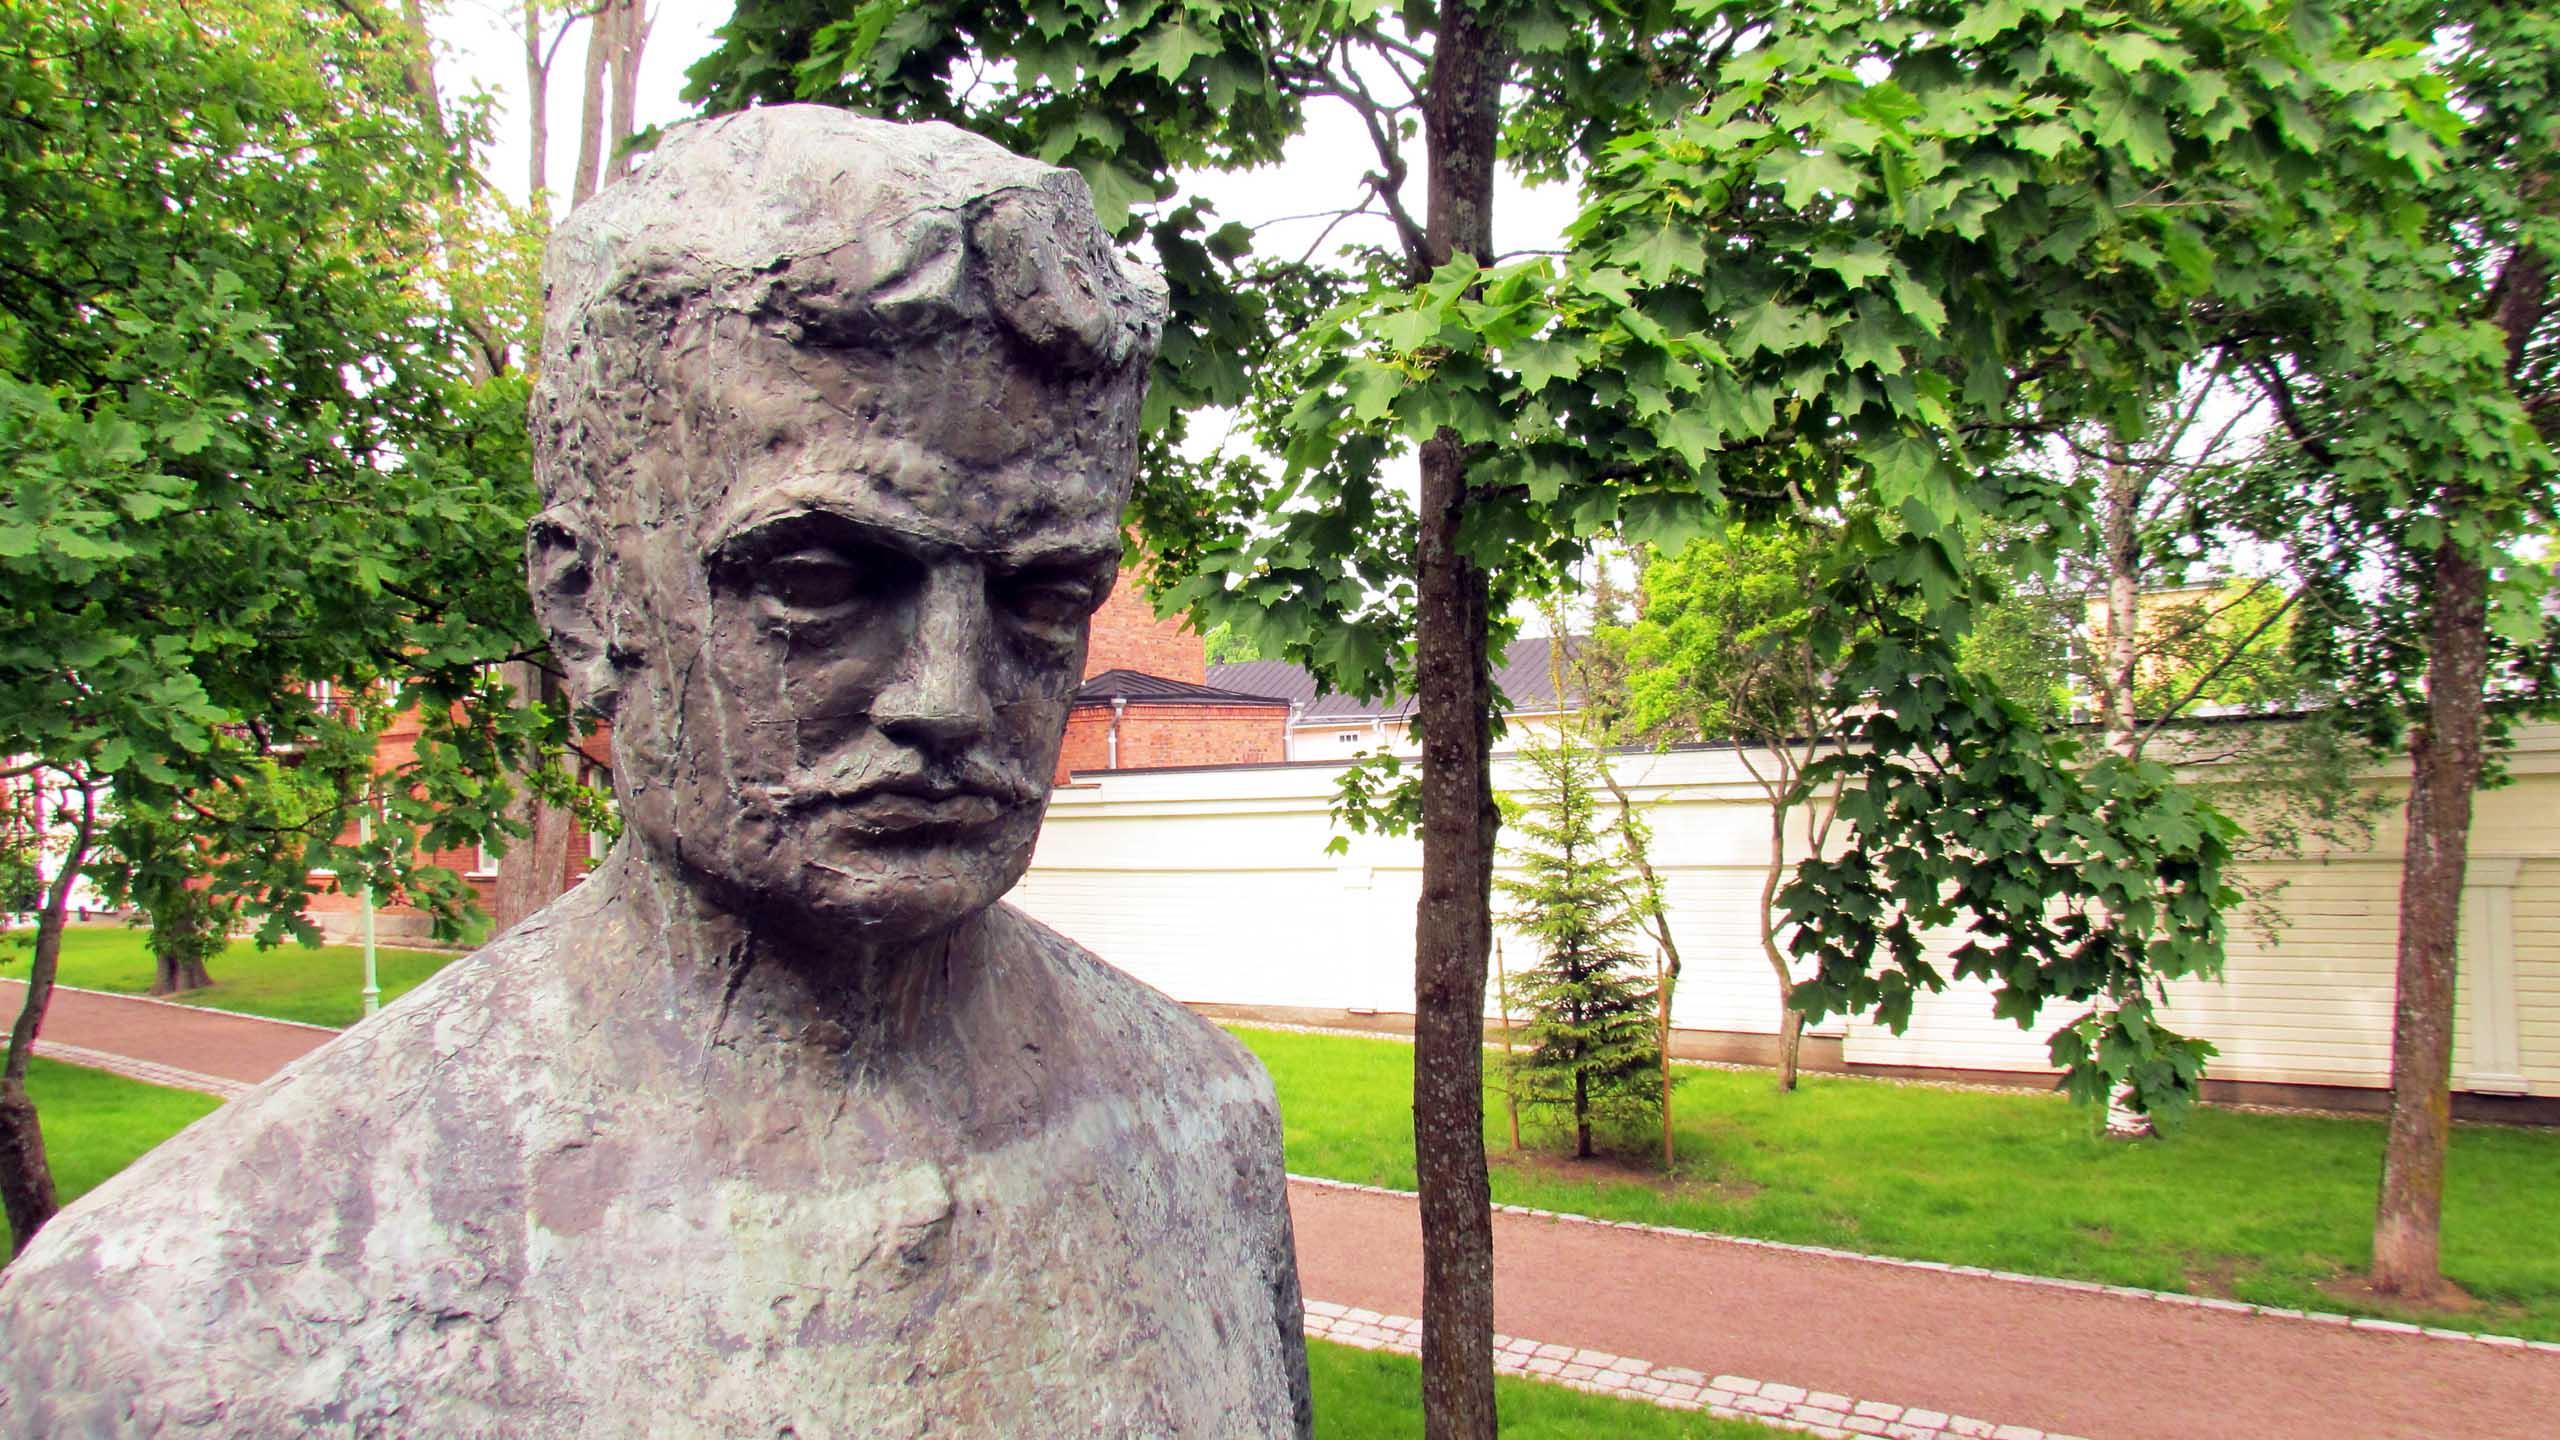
x=1046, y=600
x=825, y=578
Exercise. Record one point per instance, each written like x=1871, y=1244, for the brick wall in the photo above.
x=1156, y=736
x=1128, y=636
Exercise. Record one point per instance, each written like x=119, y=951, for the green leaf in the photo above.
x=1921, y=304
x=1662, y=253
x=1806, y=176
x=1855, y=264
x=1374, y=388
x=1984, y=20
x=1872, y=341
x=1541, y=361
x=1743, y=412
x=2187, y=251
x=1349, y=651
x=1407, y=330
x=1907, y=468
x=1772, y=326
x=189, y=435
x=1170, y=50
x=1115, y=191
x=1690, y=433
x=1667, y=522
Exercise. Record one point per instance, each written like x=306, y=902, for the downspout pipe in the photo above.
x=1119, y=707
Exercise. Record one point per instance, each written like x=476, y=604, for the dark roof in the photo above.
x=1522, y=677
x=1138, y=687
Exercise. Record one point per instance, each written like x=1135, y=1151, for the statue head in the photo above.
x=835, y=423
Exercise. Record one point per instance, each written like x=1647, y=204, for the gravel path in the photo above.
x=1878, y=1337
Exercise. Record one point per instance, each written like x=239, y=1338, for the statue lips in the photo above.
x=920, y=810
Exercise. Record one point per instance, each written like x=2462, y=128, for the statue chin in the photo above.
x=822, y=905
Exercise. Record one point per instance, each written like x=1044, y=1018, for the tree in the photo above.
x=26, y=1177
x=493, y=269
x=246, y=453
x=1725, y=650
x=1833, y=248
x=1596, y=702
x=608, y=117
x=1224, y=647
x=2422, y=407
x=1590, y=1027
x=2165, y=514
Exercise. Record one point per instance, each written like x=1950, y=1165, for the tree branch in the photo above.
x=2229, y=658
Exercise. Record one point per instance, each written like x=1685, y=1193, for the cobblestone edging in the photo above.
x=1730, y=1397
x=142, y=1070
x=2049, y=1282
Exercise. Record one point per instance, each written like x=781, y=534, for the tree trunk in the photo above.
x=537, y=88
x=630, y=41
x=1510, y=1070
x=1666, y=974
x=2119, y=534
x=421, y=66
x=1453, y=923
x=535, y=871
x=2444, y=756
x=173, y=976
x=1581, y=1114
x=591, y=107
x=26, y=1179
x=1666, y=967
x=1790, y=1019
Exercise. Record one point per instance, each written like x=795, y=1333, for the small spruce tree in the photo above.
x=1589, y=1002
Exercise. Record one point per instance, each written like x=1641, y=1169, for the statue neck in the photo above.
x=733, y=979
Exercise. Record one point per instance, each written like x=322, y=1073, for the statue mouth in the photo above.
x=918, y=808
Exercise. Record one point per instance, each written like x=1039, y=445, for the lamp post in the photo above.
x=372, y=983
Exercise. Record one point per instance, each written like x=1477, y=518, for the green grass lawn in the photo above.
x=2262, y=1208
x=290, y=982
x=96, y=1123
x=1372, y=1395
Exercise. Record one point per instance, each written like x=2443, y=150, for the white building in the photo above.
x=1214, y=885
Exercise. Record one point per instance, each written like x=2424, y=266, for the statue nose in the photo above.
x=939, y=699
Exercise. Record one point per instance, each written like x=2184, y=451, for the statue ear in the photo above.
x=560, y=566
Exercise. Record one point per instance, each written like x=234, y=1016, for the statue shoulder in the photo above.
x=270, y=1211
x=1123, y=1011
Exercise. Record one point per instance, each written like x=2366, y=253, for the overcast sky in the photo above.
x=1322, y=169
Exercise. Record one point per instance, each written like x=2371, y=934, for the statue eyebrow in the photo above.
x=790, y=507
x=783, y=515
x=1057, y=552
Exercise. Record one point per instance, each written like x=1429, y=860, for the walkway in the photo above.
x=1837, y=1344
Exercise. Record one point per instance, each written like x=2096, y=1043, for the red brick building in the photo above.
x=1144, y=704
x=337, y=912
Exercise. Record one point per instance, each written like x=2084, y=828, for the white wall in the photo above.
x=1214, y=886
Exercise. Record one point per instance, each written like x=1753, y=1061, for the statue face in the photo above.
x=864, y=581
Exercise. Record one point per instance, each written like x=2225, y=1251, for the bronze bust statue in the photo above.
x=782, y=1123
